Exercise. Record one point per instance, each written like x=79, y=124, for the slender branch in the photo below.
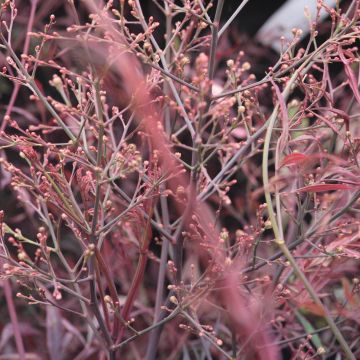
x=14, y=320
x=310, y=232
x=155, y=334
x=32, y=85
x=214, y=39
x=139, y=273
x=93, y=238
x=25, y=51
x=232, y=17
x=277, y=233
x=174, y=313
x=164, y=64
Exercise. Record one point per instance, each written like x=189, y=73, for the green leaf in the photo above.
x=310, y=330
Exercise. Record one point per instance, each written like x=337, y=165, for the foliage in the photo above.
x=172, y=203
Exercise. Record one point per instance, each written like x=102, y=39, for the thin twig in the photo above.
x=214, y=39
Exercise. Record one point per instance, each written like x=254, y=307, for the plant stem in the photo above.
x=139, y=274
x=142, y=332
x=164, y=64
x=214, y=39
x=32, y=85
x=232, y=17
x=298, y=241
x=280, y=241
x=25, y=51
x=93, y=238
x=14, y=320
x=155, y=334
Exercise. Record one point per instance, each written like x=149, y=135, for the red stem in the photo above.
x=14, y=320
x=133, y=291
x=111, y=286
x=139, y=274
x=25, y=51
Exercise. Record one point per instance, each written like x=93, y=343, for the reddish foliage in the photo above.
x=139, y=223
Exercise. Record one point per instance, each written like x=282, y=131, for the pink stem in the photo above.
x=25, y=51
x=14, y=320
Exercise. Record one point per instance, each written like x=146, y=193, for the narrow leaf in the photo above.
x=315, y=339
x=353, y=83
x=284, y=116
x=325, y=187
x=293, y=159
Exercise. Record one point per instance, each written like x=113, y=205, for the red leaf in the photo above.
x=325, y=187
x=294, y=159
x=312, y=308
x=353, y=83
x=284, y=116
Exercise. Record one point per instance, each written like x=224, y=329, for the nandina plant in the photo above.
x=167, y=201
